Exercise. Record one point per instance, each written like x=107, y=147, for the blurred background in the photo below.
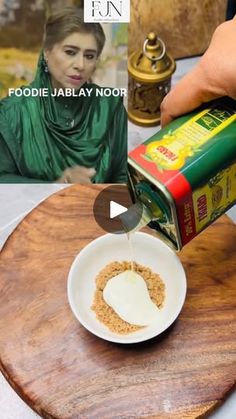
x=185, y=26
x=21, y=32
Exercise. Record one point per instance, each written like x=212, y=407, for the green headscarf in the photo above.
x=46, y=135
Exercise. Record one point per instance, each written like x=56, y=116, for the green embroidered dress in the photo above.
x=42, y=136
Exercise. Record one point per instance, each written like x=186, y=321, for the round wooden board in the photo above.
x=63, y=371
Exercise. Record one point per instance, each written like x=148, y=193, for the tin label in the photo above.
x=205, y=204
x=172, y=151
x=194, y=165
x=213, y=199
x=186, y=218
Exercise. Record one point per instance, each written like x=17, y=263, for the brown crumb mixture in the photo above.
x=105, y=313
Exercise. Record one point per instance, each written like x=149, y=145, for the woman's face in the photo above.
x=72, y=62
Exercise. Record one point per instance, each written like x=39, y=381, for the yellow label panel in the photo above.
x=212, y=199
x=172, y=151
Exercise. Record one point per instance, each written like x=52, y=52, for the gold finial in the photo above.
x=152, y=38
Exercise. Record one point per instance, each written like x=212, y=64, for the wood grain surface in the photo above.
x=63, y=371
x=186, y=27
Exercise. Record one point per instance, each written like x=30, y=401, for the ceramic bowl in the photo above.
x=148, y=251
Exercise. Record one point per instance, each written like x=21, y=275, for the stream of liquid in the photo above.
x=142, y=222
x=137, y=216
x=131, y=250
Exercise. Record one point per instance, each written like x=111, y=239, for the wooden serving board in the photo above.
x=63, y=371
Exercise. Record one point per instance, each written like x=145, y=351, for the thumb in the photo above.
x=191, y=92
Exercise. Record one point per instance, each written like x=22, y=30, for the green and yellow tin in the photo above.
x=186, y=173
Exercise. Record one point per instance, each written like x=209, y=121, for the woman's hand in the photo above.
x=214, y=76
x=77, y=174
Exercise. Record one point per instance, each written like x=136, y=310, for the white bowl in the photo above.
x=148, y=251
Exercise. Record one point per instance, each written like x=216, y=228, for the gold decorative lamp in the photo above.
x=150, y=72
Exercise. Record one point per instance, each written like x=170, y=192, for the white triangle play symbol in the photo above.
x=116, y=209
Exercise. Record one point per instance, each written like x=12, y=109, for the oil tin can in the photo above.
x=185, y=175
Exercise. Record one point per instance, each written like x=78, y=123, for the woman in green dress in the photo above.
x=51, y=137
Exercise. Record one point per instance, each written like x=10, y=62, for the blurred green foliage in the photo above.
x=120, y=34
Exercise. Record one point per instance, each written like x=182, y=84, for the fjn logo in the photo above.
x=106, y=10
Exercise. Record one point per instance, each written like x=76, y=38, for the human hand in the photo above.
x=213, y=77
x=77, y=174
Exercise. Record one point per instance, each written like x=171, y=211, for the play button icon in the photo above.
x=116, y=209
x=110, y=204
